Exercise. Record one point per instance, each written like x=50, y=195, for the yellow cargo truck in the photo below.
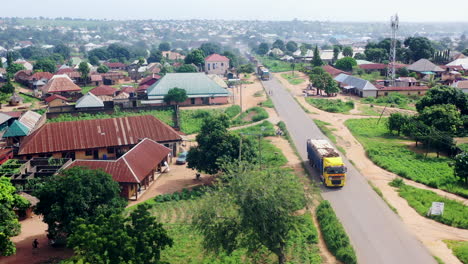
x=323, y=156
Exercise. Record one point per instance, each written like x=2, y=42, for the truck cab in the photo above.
x=334, y=171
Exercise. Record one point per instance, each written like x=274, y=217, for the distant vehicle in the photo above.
x=263, y=73
x=323, y=156
x=182, y=159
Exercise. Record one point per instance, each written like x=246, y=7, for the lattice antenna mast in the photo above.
x=394, y=21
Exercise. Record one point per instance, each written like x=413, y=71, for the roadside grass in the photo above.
x=368, y=111
x=163, y=115
x=292, y=79
x=392, y=100
x=265, y=128
x=389, y=152
x=463, y=147
x=439, y=261
x=459, y=249
x=323, y=126
x=258, y=94
x=379, y=193
x=268, y=103
x=455, y=213
x=29, y=98
x=333, y=233
x=275, y=65
x=232, y=111
x=341, y=149
x=253, y=114
x=331, y=105
x=192, y=120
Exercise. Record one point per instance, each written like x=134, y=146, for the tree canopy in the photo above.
x=322, y=80
x=155, y=56
x=253, y=209
x=45, y=65
x=177, y=95
x=316, y=60
x=165, y=46
x=443, y=117
x=63, y=50
x=14, y=68
x=444, y=95
x=210, y=48
x=291, y=46
x=279, y=44
x=263, y=48
x=461, y=166
x=138, y=238
x=77, y=193
x=102, y=69
x=348, y=51
x=419, y=48
x=217, y=145
x=187, y=68
x=196, y=57
x=346, y=64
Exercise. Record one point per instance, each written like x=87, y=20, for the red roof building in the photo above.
x=333, y=71
x=136, y=167
x=97, y=138
x=60, y=84
x=64, y=71
x=373, y=66
x=216, y=57
x=406, y=90
x=128, y=89
x=41, y=76
x=115, y=65
x=53, y=97
x=104, y=90
x=150, y=80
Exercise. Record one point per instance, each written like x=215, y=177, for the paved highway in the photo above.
x=377, y=234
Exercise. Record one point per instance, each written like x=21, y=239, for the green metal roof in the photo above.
x=17, y=129
x=196, y=85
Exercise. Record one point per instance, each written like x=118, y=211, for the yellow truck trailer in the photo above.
x=323, y=156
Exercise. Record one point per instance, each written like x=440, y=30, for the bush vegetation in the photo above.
x=331, y=105
x=268, y=103
x=292, y=79
x=392, y=100
x=275, y=65
x=459, y=249
x=323, y=126
x=455, y=213
x=391, y=153
x=253, y=114
x=333, y=233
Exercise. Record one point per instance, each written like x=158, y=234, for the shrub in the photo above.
x=333, y=233
x=232, y=111
x=268, y=103
x=331, y=105
x=459, y=249
x=397, y=183
x=259, y=114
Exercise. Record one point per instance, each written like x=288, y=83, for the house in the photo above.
x=23, y=76
x=27, y=123
x=28, y=212
x=333, y=71
x=217, y=79
x=170, y=55
x=39, y=79
x=134, y=170
x=115, y=66
x=406, y=81
x=96, y=79
x=276, y=52
x=112, y=78
x=15, y=100
x=56, y=100
x=425, y=67
x=449, y=76
x=64, y=71
x=62, y=85
x=358, y=86
x=327, y=56
x=199, y=87
x=405, y=90
x=147, y=82
x=27, y=65
x=97, y=139
x=462, y=64
x=88, y=101
x=104, y=90
x=5, y=121
x=462, y=85
x=216, y=64
x=374, y=67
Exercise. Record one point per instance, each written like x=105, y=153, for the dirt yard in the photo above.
x=429, y=232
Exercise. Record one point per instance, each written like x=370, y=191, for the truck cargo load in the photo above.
x=327, y=160
x=263, y=73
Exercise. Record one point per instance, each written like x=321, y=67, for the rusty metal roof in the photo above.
x=97, y=133
x=30, y=119
x=134, y=166
x=104, y=90
x=60, y=83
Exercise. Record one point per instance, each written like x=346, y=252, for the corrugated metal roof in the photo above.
x=16, y=130
x=89, y=100
x=193, y=83
x=104, y=90
x=216, y=57
x=97, y=133
x=358, y=83
x=424, y=65
x=30, y=119
x=134, y=165
x=60, y=83
x=4, y=118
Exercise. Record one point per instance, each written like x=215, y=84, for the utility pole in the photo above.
x=394, y=21
x=240, y=92
x=259, y=145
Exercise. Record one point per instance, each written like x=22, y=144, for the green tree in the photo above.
x=346, y=63
x=443, y=94
x=165, y=46
x=196, y=57
x=360, y=56
x=45, y=65
x=322, y=80
x=348, y=51
x=415, y=129
x=376, y=54
x=94, y=60
x=117, y=51
x=246, y=68
x=14, y=68
x=63, y=50
x=461, y=166
x=419, y=48
x=336, y=52
x=444, y=117
x=465, y=52
x=254, y=209
x=77, y=193
x=1, y=63
x=187, y=68
x=396, y=121
x=138, y=238
x=9, y=225
x=279, y=44
x=177, y=95
x=7, y=88
x=102, y=69
x=291, y=46
x=316, y=60
x=263, y=48
x=84, y=69
x=403, y=72
x=210, y=48
x=155, y=56
x=233, y=60
x=216, y=145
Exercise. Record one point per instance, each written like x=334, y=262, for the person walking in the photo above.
x=35, y=243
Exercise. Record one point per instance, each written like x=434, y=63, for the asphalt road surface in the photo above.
x=377, y=233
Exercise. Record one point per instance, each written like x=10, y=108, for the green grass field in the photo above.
x=268, y=103
x=323, y=126
x=455, y=213
x=460, y=249
x=331, y=105
x=294, y=80
x=253, y=114
x=391, y=153
x=275, y=65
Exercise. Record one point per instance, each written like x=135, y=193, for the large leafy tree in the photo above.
x=117, y=51
x=246, y=68
x=346, y=63
x=63, y=50
x=376, y=54
x=77, y=193
x=348, y=51
x=102, y=69
x=444, y=117
x=419, y=48
x=177, y=95
x=84, y=69
x=14, y=68
x=322, y=80
x=165, y=46
x=461, y=166
x=138, y=238
x=263, y=48
x=216, y=145
x=279, y=44
x=316, y=60
x=291, y=46
x=396, y=121
x=45, y=65
x=196, y=57
x=210, y=48
x=9, y=225
x=187, y=68
x=444, y=95
x=253, y=209
x=233, y=59
x=155, y=56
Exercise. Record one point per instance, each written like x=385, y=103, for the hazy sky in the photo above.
x=332, y=10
